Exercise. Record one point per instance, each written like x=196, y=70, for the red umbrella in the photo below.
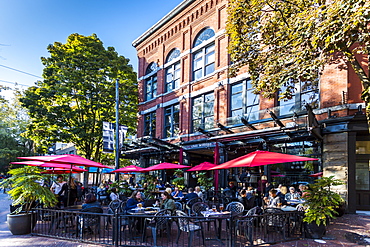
x=164, y=166
x=202, y=167
x=131, y=168
x=316, y=175
x=261, y=158
x=70, y=159
x=43, y=164
x=64, y=171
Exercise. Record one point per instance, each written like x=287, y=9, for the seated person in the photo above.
x=199, y=192
x=114, y=195
x=134, y=200
x=242, y=198
x=273, y=201
x=283, y=191
x=168, y=202
x=250, y=192
x=91, y=202
x=292, y=194
x=190, y=195
x=177, y=194
x=232, y=188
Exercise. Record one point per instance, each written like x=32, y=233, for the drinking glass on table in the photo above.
x=214, y=209
x=221, y=207
x=140, y=205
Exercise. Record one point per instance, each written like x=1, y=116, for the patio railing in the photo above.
x=128, y=230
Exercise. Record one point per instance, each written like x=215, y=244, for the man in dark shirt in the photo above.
x=190, y=195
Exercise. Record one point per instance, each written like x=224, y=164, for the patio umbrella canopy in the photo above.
x=130, y=168
x=261, y=158
x=64, y=170
x=202, y=167
x=44, y=164
x=70, y=159
x=165, y=166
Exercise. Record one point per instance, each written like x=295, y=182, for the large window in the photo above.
x=151, y=82
x=172, y=79
x=204, y=57
x=171, y=121
x=203, y=112
x=243, y=101
x=149, y=124
x=307, y=93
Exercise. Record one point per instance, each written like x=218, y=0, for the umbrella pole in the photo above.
x=69, y=186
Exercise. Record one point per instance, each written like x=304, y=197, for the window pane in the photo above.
x=210, y=58
x=236, y=101
x=210, y=68
x=362, y=176
x=238, y=88
x=196, y=124
x=252, y=98
x=198, y=63
x=208, y=123
x=210, y=48
x=198, y=74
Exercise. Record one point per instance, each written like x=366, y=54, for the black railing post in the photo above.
x=116, y=226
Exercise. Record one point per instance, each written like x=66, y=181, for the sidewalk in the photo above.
x=336, y=234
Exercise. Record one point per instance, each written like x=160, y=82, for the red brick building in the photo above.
x=191, y=112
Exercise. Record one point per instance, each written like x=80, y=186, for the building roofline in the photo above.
x=162, y=22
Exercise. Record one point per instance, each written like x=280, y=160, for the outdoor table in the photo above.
x=138, y=222
x=219, y=216
x=296, y=201
x=288, y=208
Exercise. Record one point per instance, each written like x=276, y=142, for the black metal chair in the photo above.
x=178, y=205
x=274, y=220
x=185, y=225
x=189, y=204
x=90, y=221
x=161, y=221
x=247, y=223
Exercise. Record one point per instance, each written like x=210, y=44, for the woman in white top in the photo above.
x=56, y=187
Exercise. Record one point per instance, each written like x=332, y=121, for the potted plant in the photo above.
x=26, y=192
x=320, y=205
x=179, y=181
x=204, y=181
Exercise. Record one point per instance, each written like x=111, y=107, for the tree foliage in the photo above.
x=13, y=121
x=78, y=93
x=284, y=42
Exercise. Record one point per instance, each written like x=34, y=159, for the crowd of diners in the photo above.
x=249, y=196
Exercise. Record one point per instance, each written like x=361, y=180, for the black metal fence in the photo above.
x=144, y=230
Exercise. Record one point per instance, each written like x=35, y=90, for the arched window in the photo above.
x=204, y=57
x=172, y=79
x=151, y=82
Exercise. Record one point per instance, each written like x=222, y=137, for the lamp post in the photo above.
x=117, y=130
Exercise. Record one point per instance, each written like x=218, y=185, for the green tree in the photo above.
x=78, y=93
x=284, y=42
x=13, y=121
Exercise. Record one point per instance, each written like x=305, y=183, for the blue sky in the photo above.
x=27, y=27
